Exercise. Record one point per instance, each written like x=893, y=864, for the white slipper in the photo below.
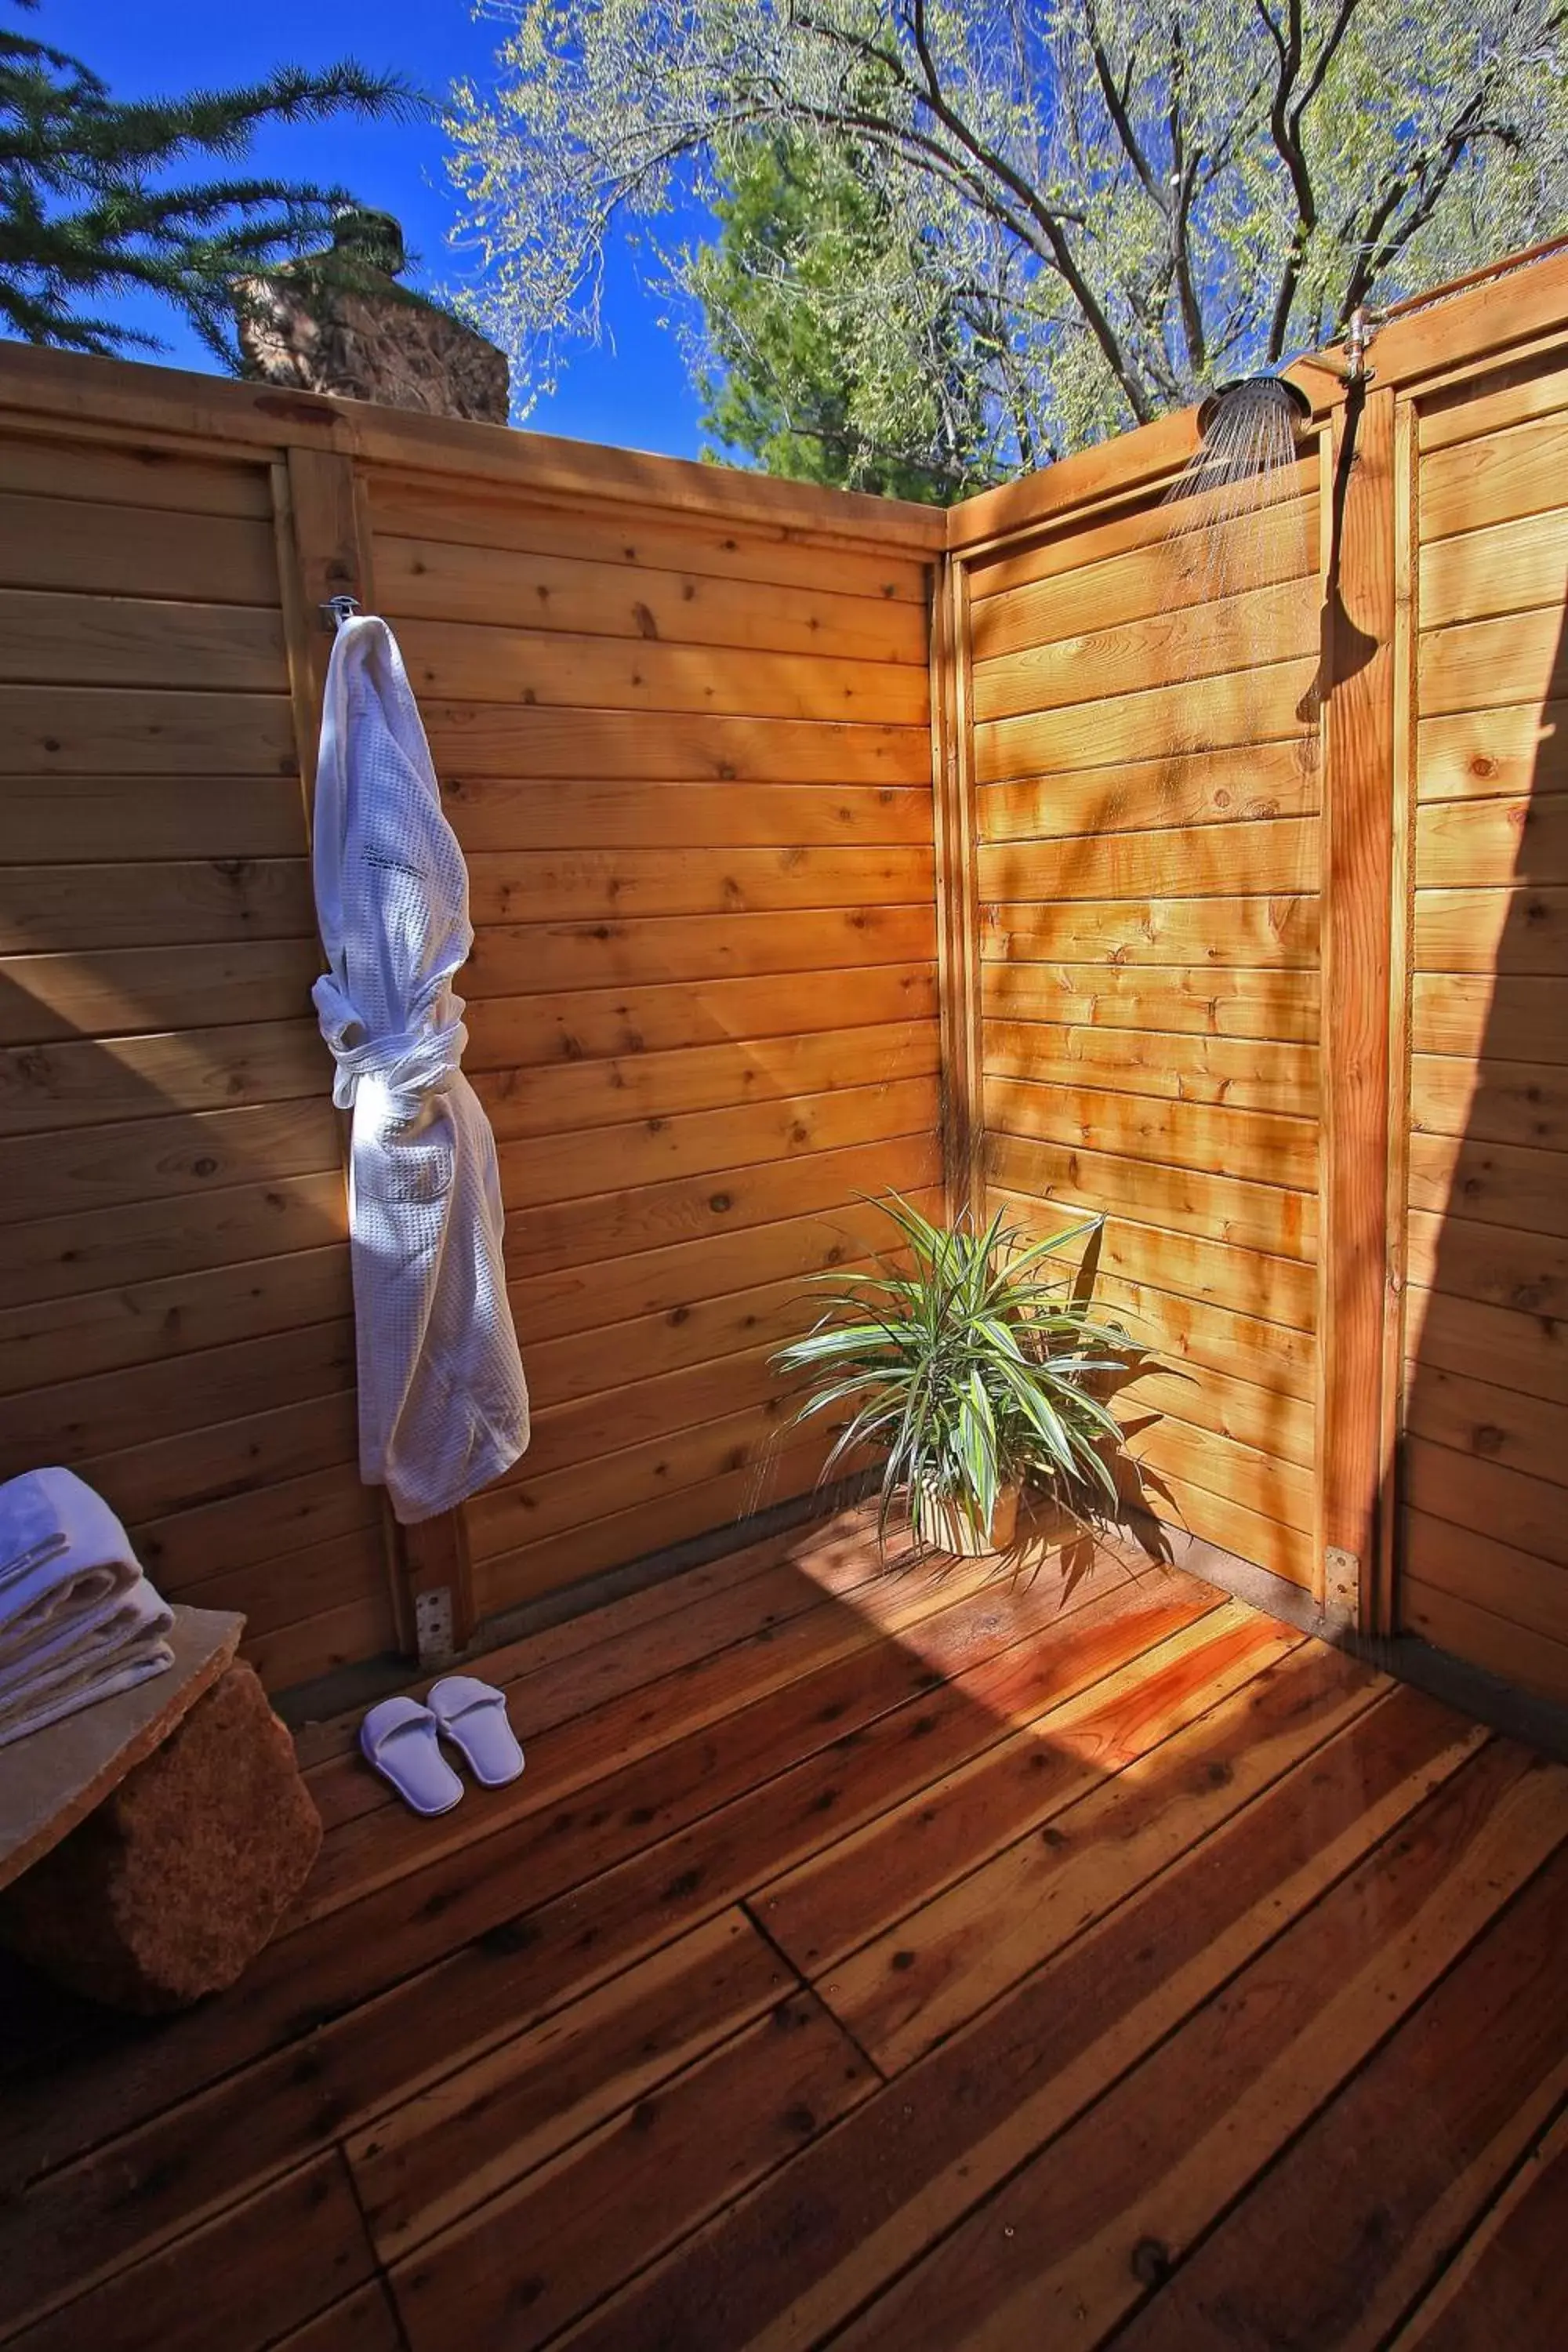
x=399, y=1738
x=473, y=1715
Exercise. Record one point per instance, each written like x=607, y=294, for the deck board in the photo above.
x=864, y=1956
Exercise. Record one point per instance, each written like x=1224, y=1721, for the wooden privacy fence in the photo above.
x=1233, y=912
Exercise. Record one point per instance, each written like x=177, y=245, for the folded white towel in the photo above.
x=54, y=1532
x=78, y=1620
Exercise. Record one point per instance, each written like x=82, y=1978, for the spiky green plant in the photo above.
x=972, y=1366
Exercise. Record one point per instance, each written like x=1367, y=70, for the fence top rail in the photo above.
x=214, y=415
x=1478, y=319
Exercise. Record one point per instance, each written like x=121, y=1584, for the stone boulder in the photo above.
x=179, y=1878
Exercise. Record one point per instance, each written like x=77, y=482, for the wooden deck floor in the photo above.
x=864, y=1959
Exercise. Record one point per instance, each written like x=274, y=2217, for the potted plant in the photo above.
x=973, y=1366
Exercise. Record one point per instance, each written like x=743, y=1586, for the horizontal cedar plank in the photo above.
x=1486, y=2054
x=120, y=474
x=109, y=1411
x=664, y=2167
x=1201, y=636
x=1475, y=665
x=1264, y=932
x=404, y=503
x=160, y=1241
x=1267, y=1543
x=673, y=1280
x=1260, y=1217
x=1256, y=706
x=208, y=1497
x=351, y=1634
x=514, y=814
x=1162, y=575
x=465, y=661
x=1222, y=1401
x=957, y=2128
x=1495, y=1102
x=519, y=1032
x=1160, y=529
x=504, y=1518
x=1522, y=933
x=512, y=1578
x=1503, y=2282
x=1228, y=1467
x=560, y=1167
x=1273, y=1360
x=1181, y=2136
x=1489, y=1497
x=1499, y=1184
x=1503, y=570
x=67, y=820
x=1144, y=795
x=1520, y=1655
x=164, y=1159
x=1475, y=1014
x=1476, y=845
x=1494, y=1424
x=1243, y=1073
x=555, y=886
x=347, y=1569
x=654, y=1408
x=1257, y=1145
x=67, y=543
x=140, y=1323
x=437, y=580
x=1522, y=1270
x=1205, y=1002
x=447, y=2151
x=248, y=2297
x=513, y=959
x=97, y=640
x=1533, y=385
x=129, y=992
x=1279, y=856
x=490, y=739
x=566, y=1373
x=1492, y=477
x=112, y=731
x=1482, y=754
x=1191, y=1703
x=571, y=1095
x=1514, y=1348
x=91, y=907
x=84, y=1082
x=1530, y=1592
x=1059, y=1736
x=572, y=1237
x=1279, y=1291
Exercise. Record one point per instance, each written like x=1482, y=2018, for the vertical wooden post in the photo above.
x=324, y=552
x=1360, y=670
x=957, y=894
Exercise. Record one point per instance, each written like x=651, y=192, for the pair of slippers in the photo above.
x=401, y=1740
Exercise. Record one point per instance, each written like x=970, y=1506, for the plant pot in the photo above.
x=945, y=1528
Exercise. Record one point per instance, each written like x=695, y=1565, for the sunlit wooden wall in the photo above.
x=1145, y=787
x=682, y=724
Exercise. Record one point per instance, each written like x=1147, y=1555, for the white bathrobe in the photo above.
x=443, y=1408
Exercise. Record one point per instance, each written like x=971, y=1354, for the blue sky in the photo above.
x=633, y=392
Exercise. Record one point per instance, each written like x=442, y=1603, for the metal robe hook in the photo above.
x=339, y=609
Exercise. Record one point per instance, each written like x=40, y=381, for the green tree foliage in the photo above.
x=830, y=355
x=90, y=206
x=1121, y=201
